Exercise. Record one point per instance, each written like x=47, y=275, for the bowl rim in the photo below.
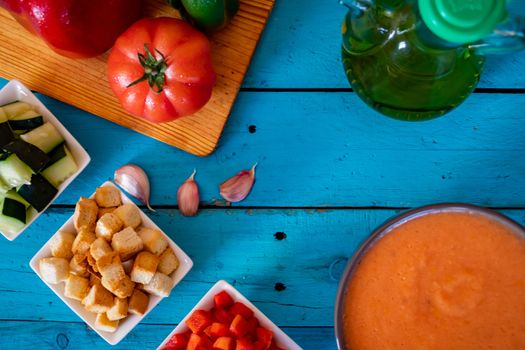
x=283, y=338
x=114, y=338
x=81, y=156
x=388, y=226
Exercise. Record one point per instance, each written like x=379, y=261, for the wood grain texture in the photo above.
x=327, y=149
x=309, y=56
x=237, y=245
x=83, y=83
x=70, y=335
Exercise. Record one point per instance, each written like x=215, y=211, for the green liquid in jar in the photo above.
x=397, y=74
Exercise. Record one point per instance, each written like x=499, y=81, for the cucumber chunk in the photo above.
x=16, y=197
x=61, y=166
x=33, y=156
x=26, y=121
x=39, y=193
x=6, y=134
x=45, y=137
x=16, y=108
x=12, y=216
x=14, y=172
x=3, y=187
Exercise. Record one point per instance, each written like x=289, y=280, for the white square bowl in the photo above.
x=16, y=91
x=207, y=303
x=126, y=325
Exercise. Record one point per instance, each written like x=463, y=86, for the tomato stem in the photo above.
x=154, y=69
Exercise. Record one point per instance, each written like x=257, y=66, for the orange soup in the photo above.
x=448, y=281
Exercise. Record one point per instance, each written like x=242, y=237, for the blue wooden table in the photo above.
x=330, y=170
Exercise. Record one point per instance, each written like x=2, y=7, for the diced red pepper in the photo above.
x=223, y=300
x=244, y=344
x=196, y=342
x=265, y=336
x=224, y=343
x=222, y=316
x=198, y=321
x=239, y=308
x=253, y=323
x=177, y=342
x=274, y=346
x=216, y=330
x=239, y=326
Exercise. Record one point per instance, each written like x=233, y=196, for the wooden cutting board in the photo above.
x=83, y=83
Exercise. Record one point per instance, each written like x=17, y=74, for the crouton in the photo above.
x=108, y=225
x=122, y=288
x=129, y=214
x=98, y=300
x=103, y=323
x=78, y=265
x=61, y=245
x=144, y=267
x=86, y=212
x=107, y=196
x=160, y=285
x=83, y=241
x=138, y=303
x=54, y=270
x=94, y=279
x=110, y=267
x=168, y=262
x=102, y=211
x=119, y=310
x=128, y=265
x=154, y=240
x=91, y=261
x=127, y=243
x=99, y=248
x=76, y=287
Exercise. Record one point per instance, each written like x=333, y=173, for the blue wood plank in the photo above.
x=239, y=246
x=61, y=335
x=327, y=149
x=308, y=55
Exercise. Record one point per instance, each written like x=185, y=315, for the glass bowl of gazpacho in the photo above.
x=447, y=276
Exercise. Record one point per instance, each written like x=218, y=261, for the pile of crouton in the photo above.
x=111, y=262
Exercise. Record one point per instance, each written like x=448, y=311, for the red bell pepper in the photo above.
x=75, y=28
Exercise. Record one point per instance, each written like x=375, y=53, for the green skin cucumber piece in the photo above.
x=39, y=193
x=31, y=155
x=16, y=108
x=45, y=137
x=14, y=172
x=62, y=166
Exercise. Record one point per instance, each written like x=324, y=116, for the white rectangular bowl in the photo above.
x=207, y=303
x=16, y=91
x=126, y=325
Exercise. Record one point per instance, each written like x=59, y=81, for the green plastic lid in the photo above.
x=462, y=21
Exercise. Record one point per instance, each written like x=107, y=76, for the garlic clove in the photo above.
x=236, y=188
x=134, y=180
x=188, y=196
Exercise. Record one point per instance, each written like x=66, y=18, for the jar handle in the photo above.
x=507, y=37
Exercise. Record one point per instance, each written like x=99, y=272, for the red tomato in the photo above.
x=217, y=330
x=224, y=343
x=197, y=342
x=160, y=69
x=239, y=308
x=264, y=339
x=252, y=326
x=223, y=300
x=244, y=344
x=177, y=342
x=239, y=326
x=222, y=316
x=198, y=321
